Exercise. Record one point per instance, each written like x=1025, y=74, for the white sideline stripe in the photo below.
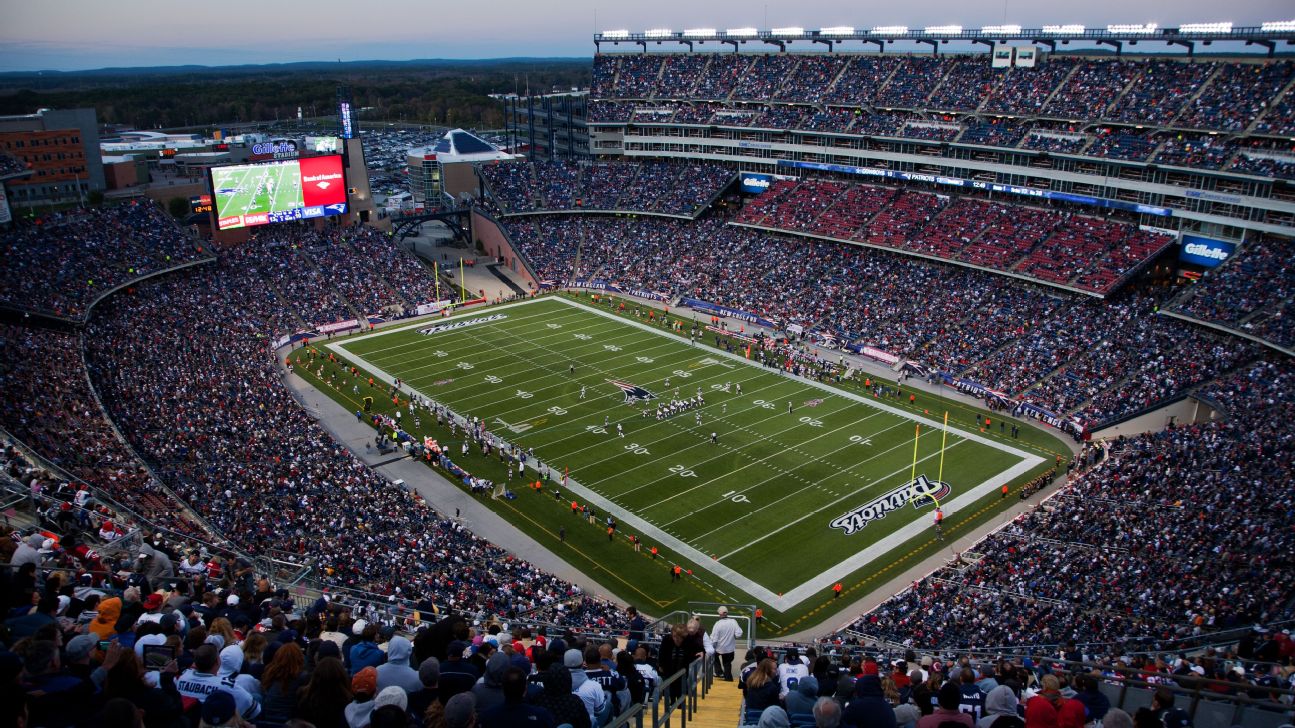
x=818, y=584
x=818, y=385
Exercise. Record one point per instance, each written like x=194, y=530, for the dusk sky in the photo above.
x=79, y=34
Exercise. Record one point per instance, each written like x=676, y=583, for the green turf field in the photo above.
x=256, y=189
x=772, y=512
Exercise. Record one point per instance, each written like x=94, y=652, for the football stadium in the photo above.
x=855, y=376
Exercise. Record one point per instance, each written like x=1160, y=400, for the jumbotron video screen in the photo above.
x=295, y=189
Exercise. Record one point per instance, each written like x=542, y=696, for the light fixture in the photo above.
x=1139, y=28
x=1205, y=28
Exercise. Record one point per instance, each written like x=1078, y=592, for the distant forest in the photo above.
x=449, y=93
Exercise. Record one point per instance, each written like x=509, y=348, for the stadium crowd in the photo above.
x=1252, y=293
x=61, y=262
x=662, y=187
x=1129, y=105
x=1056, y=247
x=288, y=488
x=1167, y=517
x=11, y=165
x=1196, y=94
x=1061, y=352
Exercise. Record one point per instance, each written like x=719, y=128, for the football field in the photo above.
x=256, y=189
x=778, y=490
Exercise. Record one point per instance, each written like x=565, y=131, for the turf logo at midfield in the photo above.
x=633, y=392
x=920, y=492
x=460, y=324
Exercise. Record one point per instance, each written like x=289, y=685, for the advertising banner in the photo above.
x=717, y=309
x=1205, y=252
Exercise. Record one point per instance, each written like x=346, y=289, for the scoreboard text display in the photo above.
x=247, y=195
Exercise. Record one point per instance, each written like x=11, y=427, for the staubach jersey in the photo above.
x=198, y=685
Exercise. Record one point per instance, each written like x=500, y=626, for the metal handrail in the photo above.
x=700, y=676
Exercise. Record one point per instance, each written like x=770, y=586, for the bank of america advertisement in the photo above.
x=247, y=195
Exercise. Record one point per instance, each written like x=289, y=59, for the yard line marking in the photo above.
x=930, y=421
x=785, y=473
x=426, y=340
x=859, y=493
x=701, y=442
x=814, y=584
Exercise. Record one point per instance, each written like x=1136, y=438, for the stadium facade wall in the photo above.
x=1185, y=411
x=498, y=245
x=1198, y=198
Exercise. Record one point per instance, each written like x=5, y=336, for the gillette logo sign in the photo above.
x=756, y=183
x=1205, y=252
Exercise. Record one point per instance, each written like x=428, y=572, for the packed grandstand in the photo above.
x=176, y=483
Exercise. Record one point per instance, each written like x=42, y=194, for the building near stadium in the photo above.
x=444, y=171
x=61, y=147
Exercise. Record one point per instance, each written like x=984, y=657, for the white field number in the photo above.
x=681, y=374
x=682, y=472
x=557, y=411
x=860, y=440
x=637, y=449
x=811, y=422
x=440, y=354
x=596, y=429
x=736, y=497
x=465, y=366
x=524, y=395
x=493, y=379
x=584, y=337
x=763, y=404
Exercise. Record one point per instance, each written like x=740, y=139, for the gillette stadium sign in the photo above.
x=755, y=184
x=920, y=492
x=1205, y=252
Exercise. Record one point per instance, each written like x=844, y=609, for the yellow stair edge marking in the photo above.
x=720, y=708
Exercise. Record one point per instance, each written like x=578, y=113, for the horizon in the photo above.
x=133, y=34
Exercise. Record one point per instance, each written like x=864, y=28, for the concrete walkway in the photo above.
x=434, y=244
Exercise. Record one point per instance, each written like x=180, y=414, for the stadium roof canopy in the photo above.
x=1269, y=36
x=463, y=146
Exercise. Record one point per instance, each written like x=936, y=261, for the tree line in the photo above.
x=448, y=94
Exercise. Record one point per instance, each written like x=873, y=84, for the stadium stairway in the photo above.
x=722, y=707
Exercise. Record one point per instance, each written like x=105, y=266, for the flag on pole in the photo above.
x=463, y=291
x=436, y=276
